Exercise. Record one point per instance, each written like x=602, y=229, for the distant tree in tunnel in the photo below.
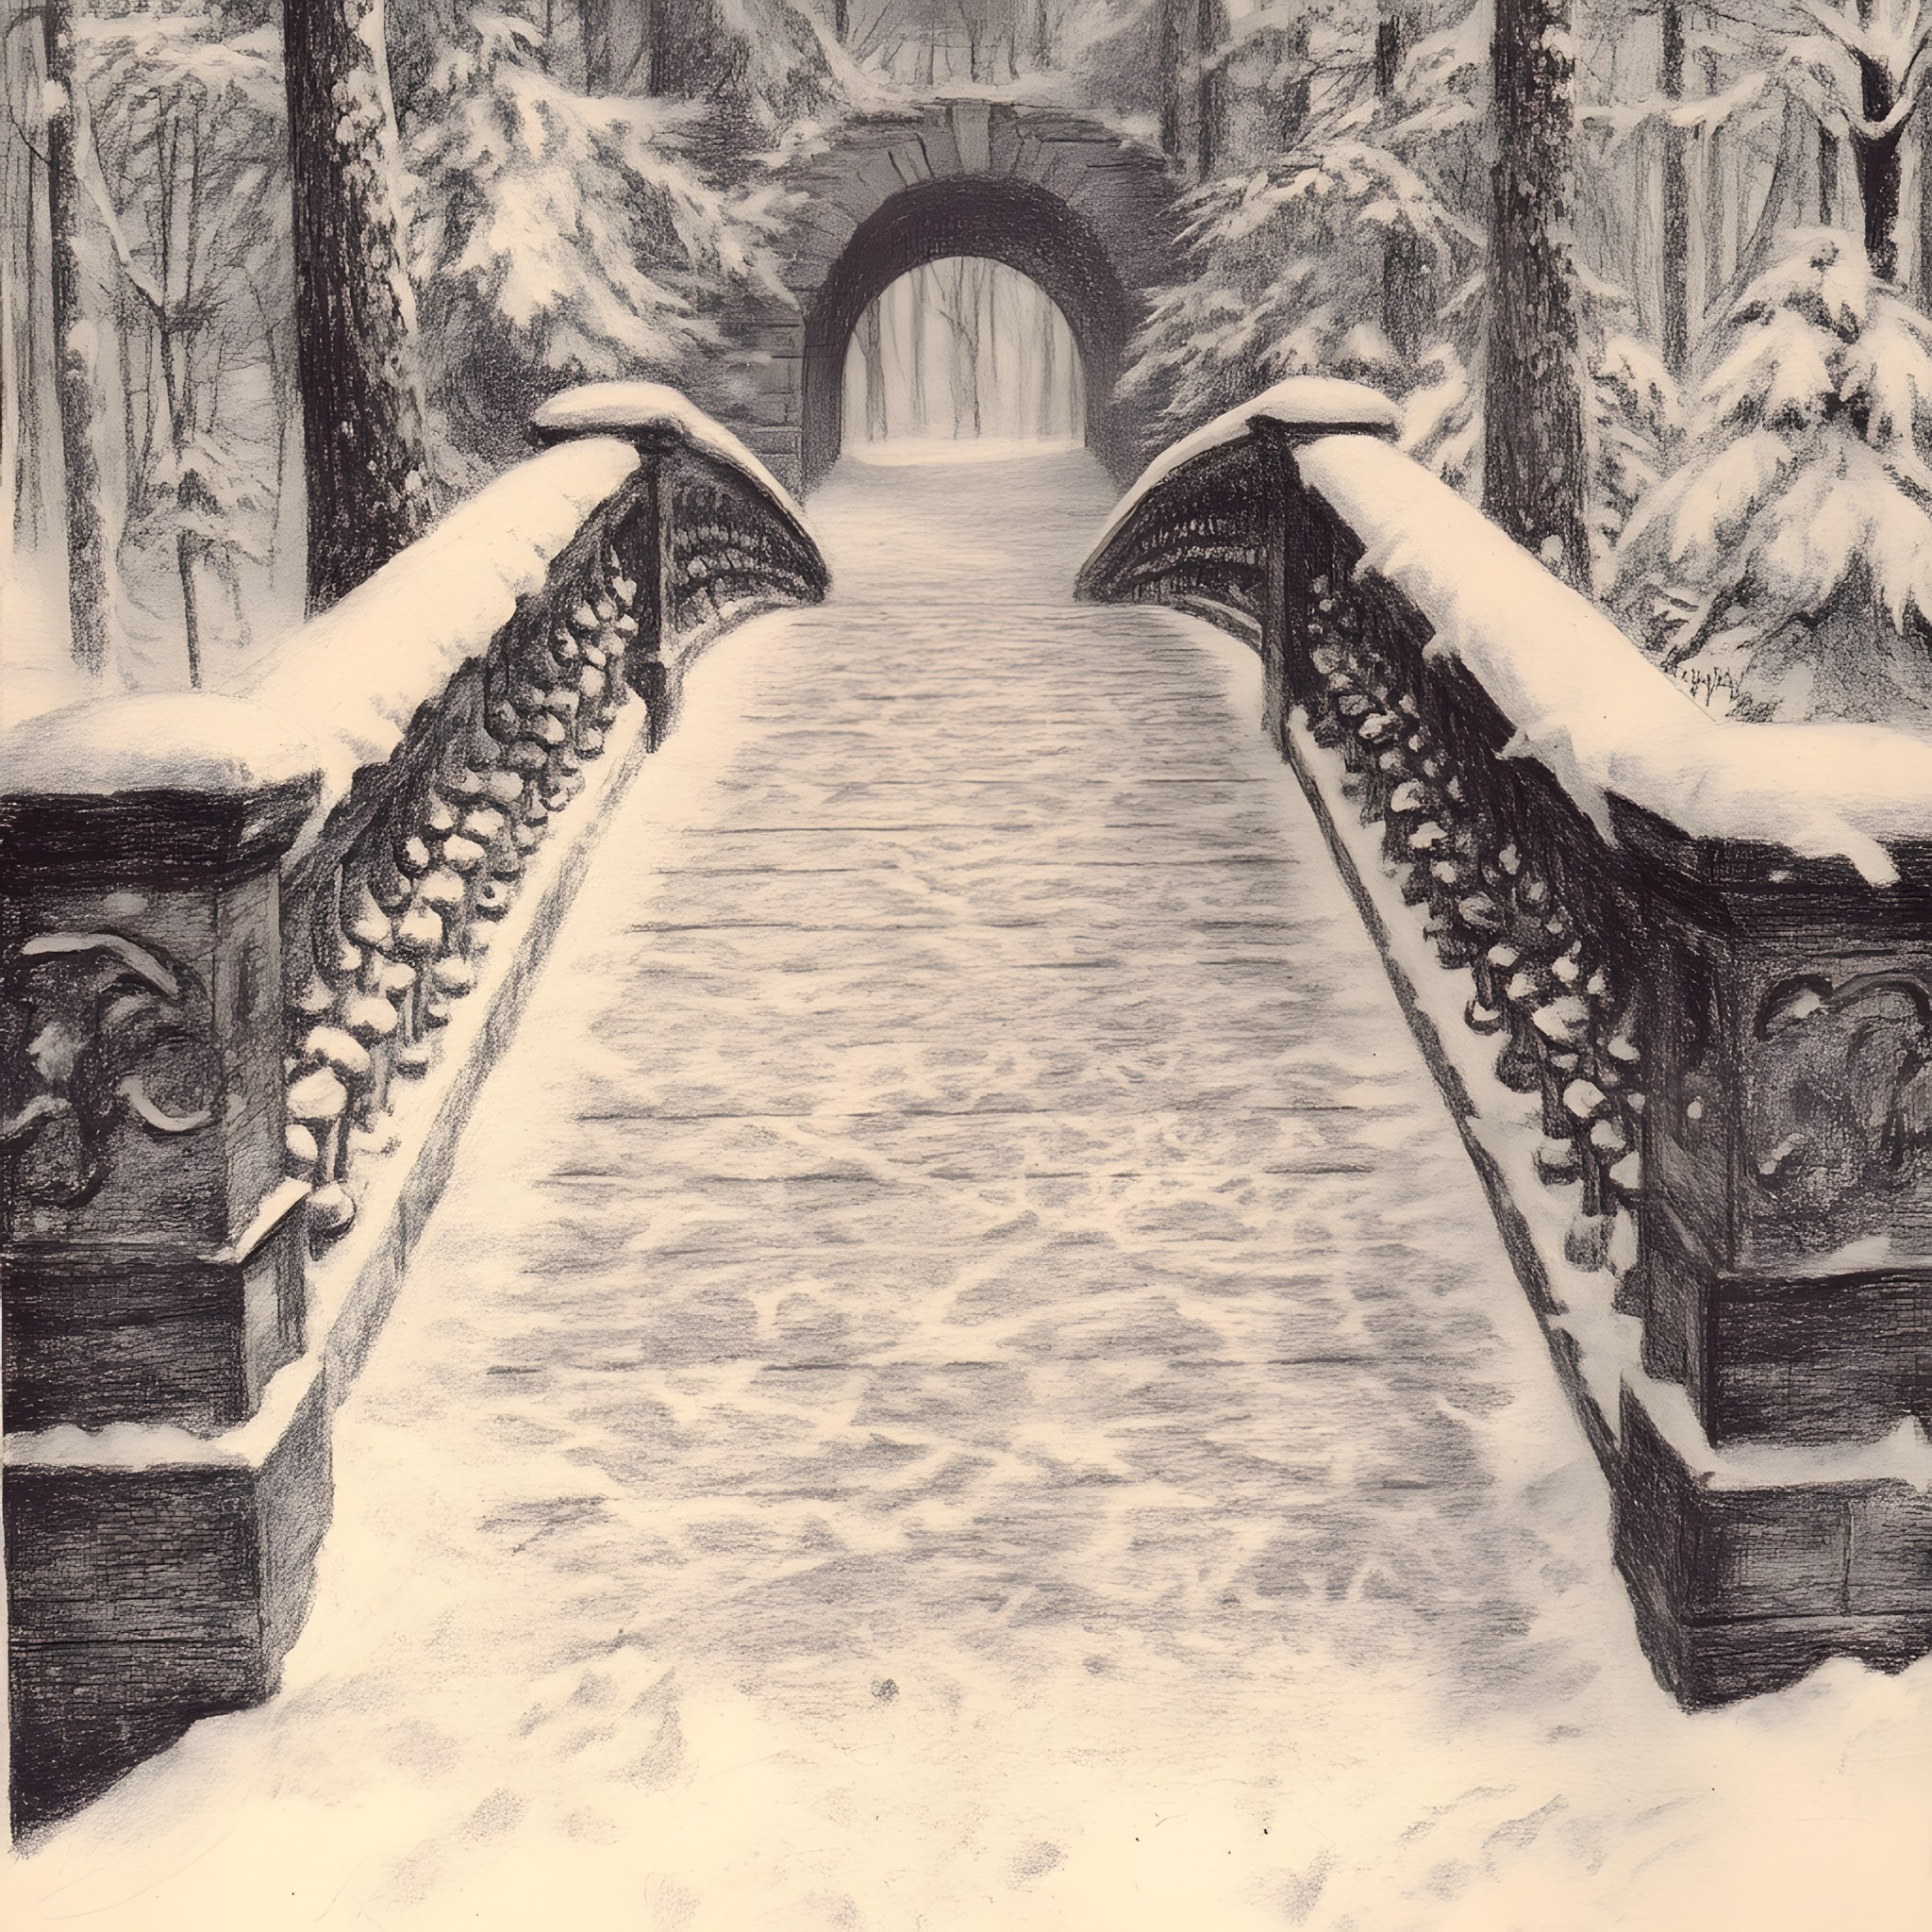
x=921, y=279
x=873, y=343
x=958, y=285
x=1048, y=353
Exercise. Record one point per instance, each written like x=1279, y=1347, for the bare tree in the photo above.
x=873, y=342
x=1533, y=481
x=22, y=445
x=921, y=283
x=73, y=360
x=958, y=301
x=1048, y=357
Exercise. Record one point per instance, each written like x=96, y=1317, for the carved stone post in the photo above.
x=153, y=1253
x=647, y=530
x=1293, y=541
x=1789, y=1217
x=644, y=658
x=1787, y=1238
x=1284, y=600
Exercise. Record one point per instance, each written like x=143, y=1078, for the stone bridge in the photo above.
x=957, y=1255
x=1060, y=196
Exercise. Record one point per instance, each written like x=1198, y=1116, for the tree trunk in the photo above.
x=1926, y=204
x=1827, y=178
x=593, y=24
x=73, y=360
x=841, y=21
x=1714, y=152
x=1049, y=345
x=961, y=311
x=915, y=355
x=365, y=456
x=1210, y=29
x=1876, y=162
x=31, y=483
x=1676, y=198
x=190, y=603
x=656, y=46
x=1533, y=481
x=1291, y=109
x=873, y=338
x=1406, y=296
x=1042, y=35
x=986, y=300
x=1168, y=60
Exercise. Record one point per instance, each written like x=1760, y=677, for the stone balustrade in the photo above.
x=1675, y=977
x=259, y=951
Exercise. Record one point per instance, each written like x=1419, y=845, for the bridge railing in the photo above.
x=1701, y=953
x=258, y=952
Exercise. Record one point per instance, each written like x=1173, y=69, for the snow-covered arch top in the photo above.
x=1062, y=197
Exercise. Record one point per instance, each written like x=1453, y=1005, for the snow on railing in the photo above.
x=1698, y=948
x=235, y=930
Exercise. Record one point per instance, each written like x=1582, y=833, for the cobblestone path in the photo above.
x=965, y=1379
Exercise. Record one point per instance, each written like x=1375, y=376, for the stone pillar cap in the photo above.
x=154, y=742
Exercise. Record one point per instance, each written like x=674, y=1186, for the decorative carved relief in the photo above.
x=101, y=1028
x=1839, y=1100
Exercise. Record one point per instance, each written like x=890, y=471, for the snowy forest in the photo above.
x=1652, y=282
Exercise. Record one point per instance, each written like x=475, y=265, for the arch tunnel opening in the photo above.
x=962, y=350
x=1013, y=223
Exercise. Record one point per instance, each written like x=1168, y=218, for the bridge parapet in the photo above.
x=1675, y=974
x=260, y=952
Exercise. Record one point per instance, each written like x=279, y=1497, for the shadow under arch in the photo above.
x=1005, y=219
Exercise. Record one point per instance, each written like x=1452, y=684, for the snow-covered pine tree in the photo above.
x=1788, y=559
x=1633, y=425
x=562, y=237
x=1289, y=247
x=365, y=452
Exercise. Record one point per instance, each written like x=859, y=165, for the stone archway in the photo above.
x=1057, y=196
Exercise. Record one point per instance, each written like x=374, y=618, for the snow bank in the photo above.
x=1300, y=402
x=625, y=409
x=356, y=674
x=1592, y=710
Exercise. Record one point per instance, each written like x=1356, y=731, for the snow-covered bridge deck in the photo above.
x=964, y=1376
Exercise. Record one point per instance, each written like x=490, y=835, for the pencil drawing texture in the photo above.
x=967, y=964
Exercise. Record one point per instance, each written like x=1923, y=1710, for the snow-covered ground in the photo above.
x=964, y=1379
